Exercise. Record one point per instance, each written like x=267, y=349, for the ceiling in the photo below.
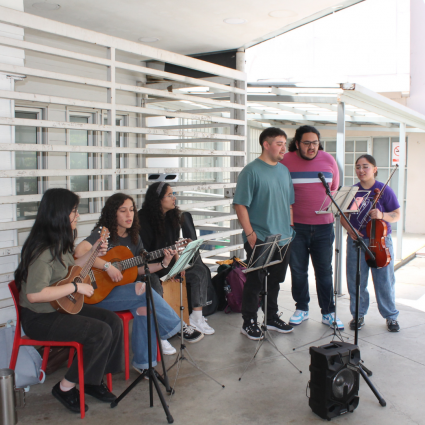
x=190, y=26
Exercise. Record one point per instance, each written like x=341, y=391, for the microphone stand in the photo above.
x=360, y=244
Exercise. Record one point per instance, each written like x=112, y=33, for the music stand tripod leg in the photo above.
x=153, y=380
x=183, y=349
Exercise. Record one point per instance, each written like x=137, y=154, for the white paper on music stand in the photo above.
x=344, y=198
x=183, y=262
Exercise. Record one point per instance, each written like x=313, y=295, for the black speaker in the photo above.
x=334, y=380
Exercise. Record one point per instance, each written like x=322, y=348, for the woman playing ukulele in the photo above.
x=46, y=255
x=118, y=215
x=387, y=209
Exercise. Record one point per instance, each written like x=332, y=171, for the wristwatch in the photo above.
x=106, y=266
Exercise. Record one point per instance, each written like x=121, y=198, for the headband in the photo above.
x=159, y=188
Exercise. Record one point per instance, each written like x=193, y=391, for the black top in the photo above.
x=152, y=241
x=135, y=249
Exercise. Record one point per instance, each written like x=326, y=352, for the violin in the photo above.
x=376, y=231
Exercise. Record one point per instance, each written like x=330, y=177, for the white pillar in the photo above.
x=401, y=173
x=8, y=238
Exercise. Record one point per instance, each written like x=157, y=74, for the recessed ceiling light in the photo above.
x=149, y=39
x=46, y=6
x=234, y=21
x=282, y=14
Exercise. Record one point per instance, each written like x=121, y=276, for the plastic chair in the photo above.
x=24, y=340
x=126, y=316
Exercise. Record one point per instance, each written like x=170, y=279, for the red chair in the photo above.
x=126, y=316
x=24, y=340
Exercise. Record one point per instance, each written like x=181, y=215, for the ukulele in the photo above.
x=73, y=303
x=376, y=231
x=122, y=258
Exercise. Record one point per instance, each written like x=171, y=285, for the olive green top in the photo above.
x=43, y=272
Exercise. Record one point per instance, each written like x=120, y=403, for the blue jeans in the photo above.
x=125, y=298
x=315, y=241
x=383, y=281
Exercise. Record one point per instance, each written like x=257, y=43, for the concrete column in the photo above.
x=8, y=238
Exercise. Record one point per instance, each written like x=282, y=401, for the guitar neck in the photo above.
x=87, y=267
x=137, y=261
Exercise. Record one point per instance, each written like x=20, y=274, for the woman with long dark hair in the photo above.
x=118, y=215
x=160, y=226
x=46, y=255
x=388, y=210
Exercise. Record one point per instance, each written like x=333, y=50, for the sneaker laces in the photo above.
x=188, y=329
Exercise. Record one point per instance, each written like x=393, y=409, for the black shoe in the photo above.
x=190, y=334
x=101, y=392
x=275, y=324
x=393, y=326
x=360, y=324
x=142, y=371
x=251, y=330
x=70, y=399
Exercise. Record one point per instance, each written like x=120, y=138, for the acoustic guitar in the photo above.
x=73, y=303
x=122, y=258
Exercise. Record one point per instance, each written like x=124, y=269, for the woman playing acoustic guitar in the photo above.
x=46, y=255
x=118, y=215
x=387, y=209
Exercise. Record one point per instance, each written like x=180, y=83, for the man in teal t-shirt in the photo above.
x=263, y=198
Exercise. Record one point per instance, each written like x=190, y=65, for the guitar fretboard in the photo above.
x=137, y=261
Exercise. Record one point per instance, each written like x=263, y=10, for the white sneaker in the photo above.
x=201, y=325
x=167, y=348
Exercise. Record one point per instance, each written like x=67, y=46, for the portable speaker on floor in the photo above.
x=334, y=380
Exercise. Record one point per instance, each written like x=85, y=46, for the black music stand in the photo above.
x=265, y=253
x=183, y=264
x=154, y=376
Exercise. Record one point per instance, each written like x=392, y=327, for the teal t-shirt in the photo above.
x=267, y=192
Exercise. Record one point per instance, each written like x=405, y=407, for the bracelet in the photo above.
x=250, y=234
x=162, y=265
x=76, y=288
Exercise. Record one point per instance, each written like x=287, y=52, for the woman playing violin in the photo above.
x=387, y=209
x=46, y=255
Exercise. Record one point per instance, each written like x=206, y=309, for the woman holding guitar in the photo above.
x=118, y=215
x=160, y=225
x=385, y=210
x=46, y=255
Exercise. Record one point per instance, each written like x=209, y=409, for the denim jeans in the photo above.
x=315, y=241
x=125, y=298
x=255, y=282
x=383, y=281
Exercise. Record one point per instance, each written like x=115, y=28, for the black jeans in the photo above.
x=255, y=282
x=99, y=330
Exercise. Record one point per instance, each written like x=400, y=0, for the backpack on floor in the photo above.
x=219, y=282
x=28, y=365
x=234, y=283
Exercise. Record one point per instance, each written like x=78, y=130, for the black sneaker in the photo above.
x=275, y=324
x=360, y=324
x=251, y=330
x=142, y=371
x=393, y=326
x=101, y=392
x=190, y=334
x=70, y=399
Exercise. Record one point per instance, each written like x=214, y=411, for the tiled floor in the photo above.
x=272, y=391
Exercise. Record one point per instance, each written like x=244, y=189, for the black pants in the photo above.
x=99, y=330
x=255, y=282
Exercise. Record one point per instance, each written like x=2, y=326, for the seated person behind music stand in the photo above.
x=46, y=255
x=160, y=226
x=387, y=209
x=119, y=217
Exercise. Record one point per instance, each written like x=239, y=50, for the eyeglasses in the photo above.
x=307, y=144
x=171, y=195
x=75, y=211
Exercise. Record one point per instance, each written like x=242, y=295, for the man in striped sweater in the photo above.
x=314, y=232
